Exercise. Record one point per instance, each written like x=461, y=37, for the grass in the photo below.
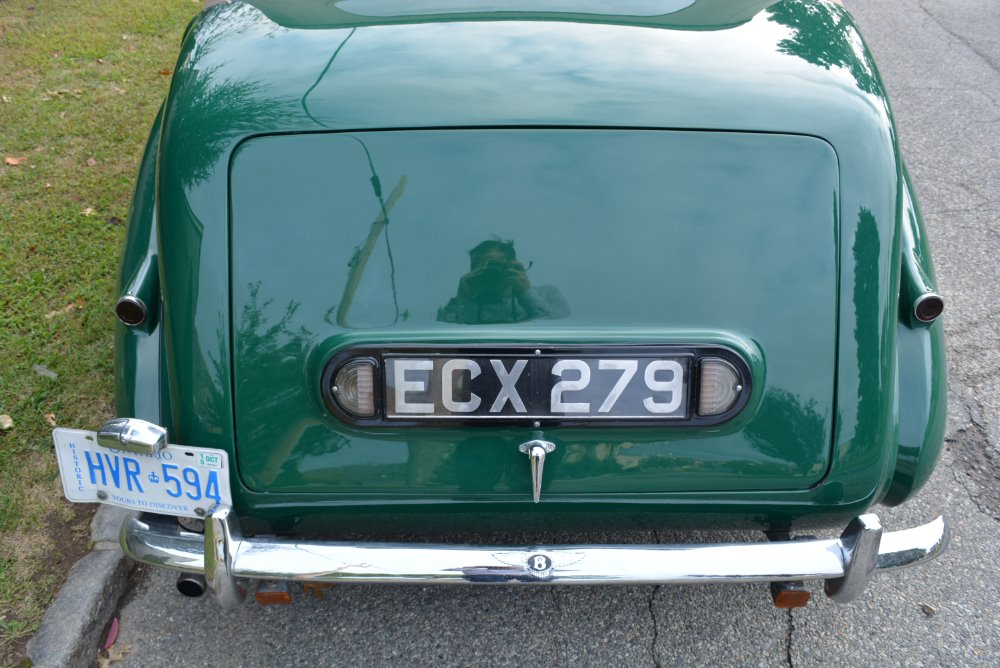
x=80, y=83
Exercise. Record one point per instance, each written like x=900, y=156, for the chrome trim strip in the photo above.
x=158, y=540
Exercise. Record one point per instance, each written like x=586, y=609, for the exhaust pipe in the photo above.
x=191, y=585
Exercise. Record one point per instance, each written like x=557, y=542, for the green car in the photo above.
x=440, y=266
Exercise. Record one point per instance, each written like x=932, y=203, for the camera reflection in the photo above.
x=497, y=290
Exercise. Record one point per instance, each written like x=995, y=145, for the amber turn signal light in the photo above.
x=273, y=597
x=273, y=593
x=788, y=595
x=316, y=588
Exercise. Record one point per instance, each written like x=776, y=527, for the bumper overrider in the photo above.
x=223, y=555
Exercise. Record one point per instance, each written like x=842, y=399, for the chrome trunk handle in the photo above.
x=536, y=451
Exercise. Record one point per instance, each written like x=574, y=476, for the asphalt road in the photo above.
x=941, y=62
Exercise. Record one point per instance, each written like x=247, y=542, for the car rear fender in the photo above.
x=138, y=349
x=921, y=365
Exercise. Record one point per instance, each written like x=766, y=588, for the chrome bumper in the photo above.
x=223, y=555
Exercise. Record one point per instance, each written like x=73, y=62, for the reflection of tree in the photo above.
x=789, y=422
x=214, y=110
x=266, y=350
x=271, y=354
x=825, y=37
x=257, y=339
x=214, y=113
x=866, y=307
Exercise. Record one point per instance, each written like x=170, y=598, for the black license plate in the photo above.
x=527, y=385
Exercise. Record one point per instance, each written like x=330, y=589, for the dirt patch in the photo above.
x=69, y=537
x=44, y=558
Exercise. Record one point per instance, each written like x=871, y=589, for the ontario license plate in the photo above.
x=178, y=480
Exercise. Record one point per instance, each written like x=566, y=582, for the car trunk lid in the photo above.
x=623, y=237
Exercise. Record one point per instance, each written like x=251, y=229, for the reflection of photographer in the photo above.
x=497, y=289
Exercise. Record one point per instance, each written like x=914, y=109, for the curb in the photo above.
x=70, y=633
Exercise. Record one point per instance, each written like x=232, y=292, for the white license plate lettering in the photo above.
x=508, y=391
x=628, y=369
x=581, y=382
x=414, y=382
x=535, y=386
x=671, y=386
x=449, y=371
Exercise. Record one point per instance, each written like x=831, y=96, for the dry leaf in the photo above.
x=13, y=161
x=72, y=306
x=91, y=162
x=120, y=91
x=166, y=73
x=89, y=211
x=6, y=422
x=111, y=656
x=5, y=98
x=51, y=419
x=49, y=94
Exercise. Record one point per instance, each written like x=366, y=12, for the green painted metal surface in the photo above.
x=138, y=386
x=923, y=367
x=795, y=68
x=627, y=237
